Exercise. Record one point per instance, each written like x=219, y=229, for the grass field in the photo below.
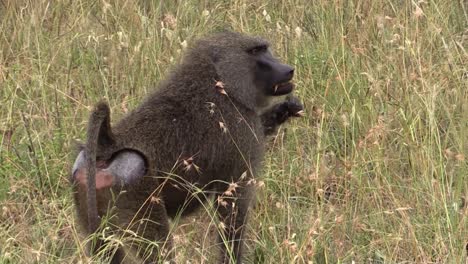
x=375, y=173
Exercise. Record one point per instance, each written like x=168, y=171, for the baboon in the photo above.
x=201, y=134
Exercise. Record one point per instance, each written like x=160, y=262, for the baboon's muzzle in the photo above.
x=284, y=84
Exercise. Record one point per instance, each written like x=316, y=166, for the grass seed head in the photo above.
x=223, y=127
x=220, y=88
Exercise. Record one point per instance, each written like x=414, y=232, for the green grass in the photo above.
x=375, y=173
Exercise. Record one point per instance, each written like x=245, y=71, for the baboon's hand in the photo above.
x=280, y=113
x=294, y=107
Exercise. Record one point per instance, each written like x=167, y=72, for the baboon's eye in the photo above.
x=257, y=50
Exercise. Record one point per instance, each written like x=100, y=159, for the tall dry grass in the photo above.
x=375, y=173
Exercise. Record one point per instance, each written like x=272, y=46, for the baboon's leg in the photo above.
x=150, y=223
x=232, y=210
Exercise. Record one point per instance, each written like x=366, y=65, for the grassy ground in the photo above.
x=375, y=173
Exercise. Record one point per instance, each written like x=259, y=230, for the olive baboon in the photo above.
x=200, y=134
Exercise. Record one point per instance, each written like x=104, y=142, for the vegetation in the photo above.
x=375, y=173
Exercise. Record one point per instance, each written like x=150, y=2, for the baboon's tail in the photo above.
x=99, y=133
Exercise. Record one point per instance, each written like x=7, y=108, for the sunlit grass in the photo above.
x=376, y=171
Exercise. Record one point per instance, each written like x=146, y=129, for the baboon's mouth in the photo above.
x=283, y=88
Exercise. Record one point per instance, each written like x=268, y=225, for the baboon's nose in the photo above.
x=289, y=72
x=284, y=72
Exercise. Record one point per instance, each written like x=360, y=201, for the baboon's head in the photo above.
x=246, y=66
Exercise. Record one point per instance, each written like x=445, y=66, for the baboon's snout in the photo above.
x=287, y=72
x=283, y=84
